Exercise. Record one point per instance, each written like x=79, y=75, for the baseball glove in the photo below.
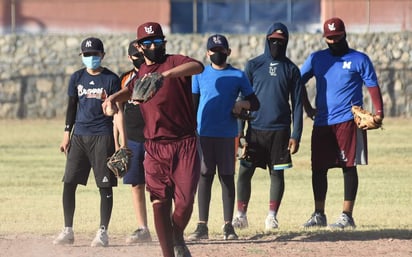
x=146, y=87
x=119, y=162
x=364, y=119
x=244, y=115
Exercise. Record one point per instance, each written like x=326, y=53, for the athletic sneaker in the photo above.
x=66, y=237
x=182, y=251
x=140, y=235
x=271, y=222
x=316, y=220
x=229, y=232
x=201, y=232
x=344, y=221
x=101, y=238
x=240, y=222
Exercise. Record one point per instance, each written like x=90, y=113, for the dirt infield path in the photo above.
x=311, y=245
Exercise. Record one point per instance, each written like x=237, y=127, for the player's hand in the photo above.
x=65, y=144
x=293, y=146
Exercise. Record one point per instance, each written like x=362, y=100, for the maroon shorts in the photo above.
x=338, y=145
x=172, y=169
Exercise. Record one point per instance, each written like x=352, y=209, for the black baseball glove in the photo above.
x=146, y=87
x=119, y=162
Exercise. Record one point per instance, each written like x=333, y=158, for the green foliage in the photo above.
x=31, y=168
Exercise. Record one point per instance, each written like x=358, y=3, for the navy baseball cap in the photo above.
x=333, y=27
x=149, y=29
x=92, y=45
x=132, y=48
x=217, y=40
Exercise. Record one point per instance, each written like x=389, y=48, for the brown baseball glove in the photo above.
x=146, y=87
x=119, y=162
x=364, y=119
x=243, y=115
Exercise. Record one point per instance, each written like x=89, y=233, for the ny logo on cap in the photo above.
x=149, y=30
x=217, y=40
x=331, y=27
x=88, y=43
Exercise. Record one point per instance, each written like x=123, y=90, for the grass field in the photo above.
x=31, y=168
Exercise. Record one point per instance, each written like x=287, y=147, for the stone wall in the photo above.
x=35, y=69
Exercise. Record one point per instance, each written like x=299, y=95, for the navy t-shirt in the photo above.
x=91, y=91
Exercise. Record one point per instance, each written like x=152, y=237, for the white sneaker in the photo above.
x=240, y=222
x=66, y=237
x=271, y=222
x=101, y=238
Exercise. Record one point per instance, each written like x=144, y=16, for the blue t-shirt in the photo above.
x=91, y=91
x=339, y=81
x=218, y=91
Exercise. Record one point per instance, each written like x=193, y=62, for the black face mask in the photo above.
x=156, y=55
x=277, y=48
x=139, y=61
x=339, y=48
x=218, y=58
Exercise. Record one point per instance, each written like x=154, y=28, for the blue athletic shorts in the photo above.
x=135, y=174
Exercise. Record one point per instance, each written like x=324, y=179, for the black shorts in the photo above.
x=217, y=152
x=269, y=149
x=88, y=152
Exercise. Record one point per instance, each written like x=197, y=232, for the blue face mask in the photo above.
x=92, y=62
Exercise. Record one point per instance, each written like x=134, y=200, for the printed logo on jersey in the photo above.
x=346, y=65
x=96, y=93
x=331, y=26
x=272, y=68
x=105, y=179
x=149, y=30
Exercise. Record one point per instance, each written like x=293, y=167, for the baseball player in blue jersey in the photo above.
x=88, y=139
x=340, y=74
x=215, y=92
x=270, y=141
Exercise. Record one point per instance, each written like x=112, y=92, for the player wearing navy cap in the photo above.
x=88, y=138
x=215, y=91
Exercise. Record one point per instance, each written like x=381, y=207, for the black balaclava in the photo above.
x=139, y=61
x=156, y=55
x=339, y=48
x=218, y=58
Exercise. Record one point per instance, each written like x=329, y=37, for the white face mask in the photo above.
x=92, y=62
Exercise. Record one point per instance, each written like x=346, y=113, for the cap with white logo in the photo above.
x=333, y=27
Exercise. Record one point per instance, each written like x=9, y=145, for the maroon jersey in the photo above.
x=170, y=114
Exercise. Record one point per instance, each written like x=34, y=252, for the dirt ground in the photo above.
x=361, y=244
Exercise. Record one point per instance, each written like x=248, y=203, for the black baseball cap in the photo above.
x=92, y=45
x=217, y=41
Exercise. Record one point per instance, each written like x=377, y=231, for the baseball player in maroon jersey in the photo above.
x=172, y=161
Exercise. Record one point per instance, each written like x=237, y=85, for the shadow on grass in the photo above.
x=317, y=236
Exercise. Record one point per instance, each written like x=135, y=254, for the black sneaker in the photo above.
x=201, y=232
x=229, y=232
x=182, y=251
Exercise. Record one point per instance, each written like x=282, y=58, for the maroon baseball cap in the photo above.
x=149, y=29
x=277, y=34
x=333, y=27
